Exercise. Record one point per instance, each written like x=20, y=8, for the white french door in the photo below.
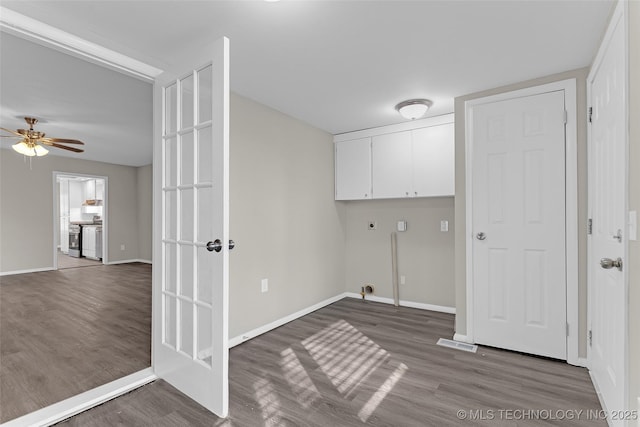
x=190, y=295
x=607, y=207
x=518, y=224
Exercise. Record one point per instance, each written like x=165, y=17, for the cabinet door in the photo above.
x=88, y=241
x=353, y=169
x=433, y=161
x=391, y=169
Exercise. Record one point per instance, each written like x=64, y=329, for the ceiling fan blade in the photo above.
x=62, y=140
x=13, y=132
x=9, y=136
x=75, y=150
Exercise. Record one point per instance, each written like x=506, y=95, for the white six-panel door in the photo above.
x=519, y=263
x=190, y=300
x=607, y=206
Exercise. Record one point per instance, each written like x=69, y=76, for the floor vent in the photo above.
x=458, y=345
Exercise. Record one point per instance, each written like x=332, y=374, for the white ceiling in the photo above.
x=107, y=110
x=338, y=65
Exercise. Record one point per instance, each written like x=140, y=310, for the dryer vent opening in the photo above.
x=367, y=289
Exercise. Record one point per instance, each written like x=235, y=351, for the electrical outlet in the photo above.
x=264, y=285
x=372, y=225
x=122, y=247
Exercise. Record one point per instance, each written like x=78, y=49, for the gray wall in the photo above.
x=424, y=252
x=26, y=209
x=283, y=216
x=634, y=205
x=460, y=204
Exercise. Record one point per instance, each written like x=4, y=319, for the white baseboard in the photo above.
x=129, y=261
x=275, y=324
x=462, y=338
x=581, y=361
x=31, y=270
x=410, y=304
x=74, y=405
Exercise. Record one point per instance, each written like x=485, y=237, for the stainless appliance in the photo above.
x=75, y=240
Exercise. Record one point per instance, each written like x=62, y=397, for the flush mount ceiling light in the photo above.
x=413, y=108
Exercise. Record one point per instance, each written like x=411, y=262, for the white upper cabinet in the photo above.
x=412, y=159
x=392, y=165
x=433, y=155
x=353, y=169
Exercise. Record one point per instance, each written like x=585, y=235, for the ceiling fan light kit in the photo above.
x=30, y=149
x=32, y=141
x=412, y=109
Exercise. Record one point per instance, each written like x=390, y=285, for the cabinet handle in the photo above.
x=366, y=195
x=416, y=193
x=407, y=193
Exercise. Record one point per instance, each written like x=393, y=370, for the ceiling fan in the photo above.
x=32, y=140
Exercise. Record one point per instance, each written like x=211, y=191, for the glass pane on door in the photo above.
x=205, y=171
x=171, y=110
x=186, y=159
x=186, y=327
x=186, y=104
x=204, y=334
x=205, y=77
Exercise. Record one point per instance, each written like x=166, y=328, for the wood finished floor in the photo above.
x=357, y=363
x=66, y=261
x=68, y=331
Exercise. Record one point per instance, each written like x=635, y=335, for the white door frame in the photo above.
x=56, y=208
x=571, y=195
x=620, y=16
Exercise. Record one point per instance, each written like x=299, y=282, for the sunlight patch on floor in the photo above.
x=349, y=358
x=301, y=384
x=381, y=393
x=345, y=355
x=267, y=398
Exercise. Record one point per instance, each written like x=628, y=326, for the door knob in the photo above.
x=216, y=245
x=481, y=236
x=608, y=263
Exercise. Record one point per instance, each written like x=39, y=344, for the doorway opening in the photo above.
x=80, y=208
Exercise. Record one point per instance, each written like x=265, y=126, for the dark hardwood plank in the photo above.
x=68, y=331
x=359, y=363
x=66, y=261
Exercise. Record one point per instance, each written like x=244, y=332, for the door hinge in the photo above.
x=590, y=226
x=590, y=114
x=590, y=338
x=567, y=328
x=564, y=116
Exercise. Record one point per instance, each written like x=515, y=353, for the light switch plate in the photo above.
x=444, y=225
x=402, y=226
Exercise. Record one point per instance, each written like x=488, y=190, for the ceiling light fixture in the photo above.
x=414, y=108
x=29, y=148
